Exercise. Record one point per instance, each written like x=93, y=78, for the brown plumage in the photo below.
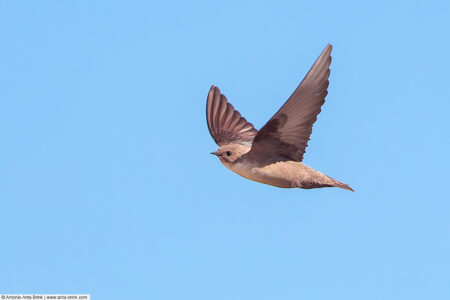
x=273, y=155
x=226, y=124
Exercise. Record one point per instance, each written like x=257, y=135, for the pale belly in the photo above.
x=287, y=174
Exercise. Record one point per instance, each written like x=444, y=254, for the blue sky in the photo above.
x=107, y=186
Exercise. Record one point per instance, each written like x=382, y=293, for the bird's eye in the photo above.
x=228, y=153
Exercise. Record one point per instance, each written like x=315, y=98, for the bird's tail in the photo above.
x=342, y=185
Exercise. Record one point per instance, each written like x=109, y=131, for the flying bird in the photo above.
x=274, y=154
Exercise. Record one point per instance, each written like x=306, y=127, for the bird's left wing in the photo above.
x=287, y=132
x=226, y=124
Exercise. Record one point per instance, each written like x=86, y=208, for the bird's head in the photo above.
x=231, y=152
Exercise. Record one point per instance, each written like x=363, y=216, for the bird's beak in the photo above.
x=215, y=153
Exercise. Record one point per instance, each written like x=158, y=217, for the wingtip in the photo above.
x=328, y=49
x=214, y=88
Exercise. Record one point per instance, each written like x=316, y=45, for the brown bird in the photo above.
x=273, y=155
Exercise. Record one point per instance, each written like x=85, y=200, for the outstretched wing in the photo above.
x=287, y=132
x=226, y=124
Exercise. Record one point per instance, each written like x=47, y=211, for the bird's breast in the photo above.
x=246, y=170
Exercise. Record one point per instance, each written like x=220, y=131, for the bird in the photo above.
x=274, y=154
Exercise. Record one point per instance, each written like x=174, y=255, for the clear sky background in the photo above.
x=107, y=186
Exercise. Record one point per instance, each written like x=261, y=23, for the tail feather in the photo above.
x=342, y=185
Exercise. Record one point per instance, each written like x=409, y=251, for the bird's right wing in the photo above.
x=225, y=124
